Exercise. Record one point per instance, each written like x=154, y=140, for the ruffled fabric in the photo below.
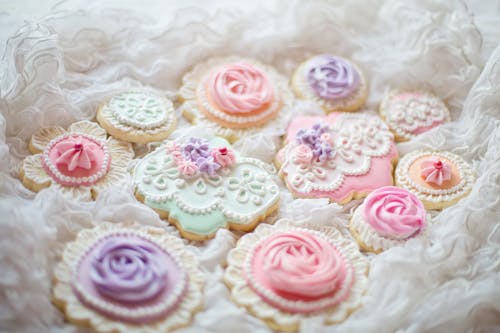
x=58, y=69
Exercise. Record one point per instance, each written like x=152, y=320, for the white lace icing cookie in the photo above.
x=201, y=186
x=128, y=278
x=137, y=116
x=388, y=217
x=284, y=274
x=79, y=162
x=341, y=156
x=439, y=179
x=235, y=97
x=333, y=82
x=410, y=113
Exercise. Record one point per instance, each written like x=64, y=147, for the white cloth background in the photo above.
x=56, y=69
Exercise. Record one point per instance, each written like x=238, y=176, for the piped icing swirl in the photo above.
x=300, y=267
x=332, y=77
x=435, y=171
x=74, y=152
x=129, y=271
x=239, y=88
x=394, y=212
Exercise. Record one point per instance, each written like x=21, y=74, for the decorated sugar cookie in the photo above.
x=137, y=116
x=410, y=113
x=79, y=162
x=201, y=186
x=388, y=217
x=439, y=179
x=128, y=279
x=342, y=156
x=284, y=274
x=333, y=82
x=235, y=97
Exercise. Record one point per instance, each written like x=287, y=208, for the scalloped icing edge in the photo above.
x=189, y=107
x=280, y=320
x=79, y=314
x=441, y=198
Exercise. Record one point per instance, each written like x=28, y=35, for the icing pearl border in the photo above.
x=107, y=308
x=373, y=239
x=386, y=104
x=299, y=80
x=404, y=180
x=57, y=176
x=301, y=306
x=159, y=126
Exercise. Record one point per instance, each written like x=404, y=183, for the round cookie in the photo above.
x=342, y=156
x=284, y=274
x=128, y=278
x=235, y=97
x=333, y=82
x=410, y=113
x=438, y=179
x=201, y=186
x=137, y=116
x=388, y=217
x=79, y=162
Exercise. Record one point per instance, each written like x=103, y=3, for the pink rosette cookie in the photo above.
x=79, y=162
x=235, y=97
x=341, y=156
x=333, y=82
x=284, y=274
x=438, y=179
x=410, y=113
x=128, y=279
x=388, y=217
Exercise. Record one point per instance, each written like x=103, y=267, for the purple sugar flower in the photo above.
x=208, y=165
x=196, y=148
x=312, y=138
x=322, y=151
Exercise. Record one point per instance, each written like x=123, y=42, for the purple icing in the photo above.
x=128, y=271
x=208, y=165
x=332, y=77
x=196, y=148
x=312, y=138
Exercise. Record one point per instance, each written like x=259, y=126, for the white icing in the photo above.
x=357, y=138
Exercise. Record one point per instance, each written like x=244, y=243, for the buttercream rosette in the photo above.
x=128, y=278
x=236, y=97
x=333, y=82
x=80, y=161
x=284, y=274
x=438, y=179
x=388, y=217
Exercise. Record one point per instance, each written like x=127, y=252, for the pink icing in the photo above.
x=239, y=88
x=394, y=212
x=223, y=156
x=380, y=173
x=435, y=171
x=299, y=266
x=75, y=160
x=187, y=168
x=84, y=278
x=303, y=154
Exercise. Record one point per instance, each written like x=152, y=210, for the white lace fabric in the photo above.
x=56, y=70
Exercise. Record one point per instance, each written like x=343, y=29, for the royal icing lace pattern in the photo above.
x=206, y=178
x=128, y=278
x=342, y=150
x=409, y=113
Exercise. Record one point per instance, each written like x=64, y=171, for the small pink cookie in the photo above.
x=235, y=96
x=128, y=279
x=411, y=113
x=284, y=274
x=439, y=179
x=388, y=217
x=341, y=156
